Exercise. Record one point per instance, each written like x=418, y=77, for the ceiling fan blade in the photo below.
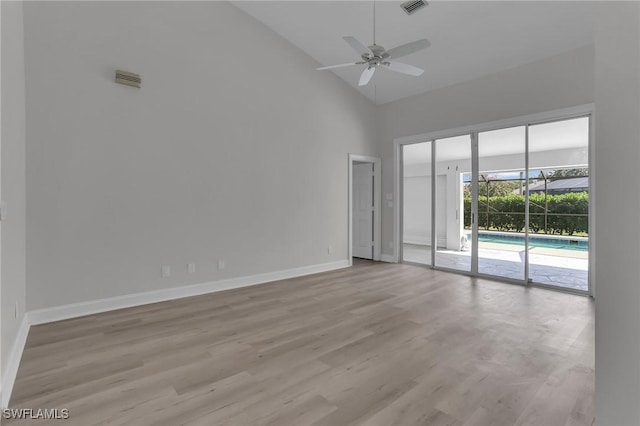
x=366, y=76
x=409, y=48
x=403, y=68
x=330, y=67
x=358, y=46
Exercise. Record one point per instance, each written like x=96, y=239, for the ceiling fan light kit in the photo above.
x=375, y=56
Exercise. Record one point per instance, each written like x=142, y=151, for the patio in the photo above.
x=558, y=267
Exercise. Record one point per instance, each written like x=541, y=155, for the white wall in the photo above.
x=553, y=83
x=235, y=148
x=617, y=155
x=12, y=153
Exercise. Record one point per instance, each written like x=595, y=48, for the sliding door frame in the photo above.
x=399, y=152
x=475, y=174
x=524, y=121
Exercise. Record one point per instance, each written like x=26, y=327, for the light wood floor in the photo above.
x=375, y=344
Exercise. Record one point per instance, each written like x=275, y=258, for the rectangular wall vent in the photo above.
x=412, y=6
x=128, y=78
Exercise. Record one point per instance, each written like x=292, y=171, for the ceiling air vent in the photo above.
x=413, y=6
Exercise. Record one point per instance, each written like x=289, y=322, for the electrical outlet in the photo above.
x=166, y=271
x=191, y=268
x=221, y=264
x=329, y=249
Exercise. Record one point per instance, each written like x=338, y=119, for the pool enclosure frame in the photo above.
x=488, y=211
x=583, y=111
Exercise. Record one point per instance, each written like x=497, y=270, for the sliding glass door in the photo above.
x=452, y=168
x=508, y=202
x=417, y=205
x=559, y=204
x=501, y=203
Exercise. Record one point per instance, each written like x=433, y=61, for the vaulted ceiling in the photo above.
x=469, y=39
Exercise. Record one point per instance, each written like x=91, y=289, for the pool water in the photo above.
x=535, y=241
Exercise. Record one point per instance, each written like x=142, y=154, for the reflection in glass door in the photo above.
x=501, y=203
x=452, y=165
x=417, y=208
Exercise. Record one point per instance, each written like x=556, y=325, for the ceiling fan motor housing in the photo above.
x=379, y=55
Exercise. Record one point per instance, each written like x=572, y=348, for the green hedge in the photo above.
x=506, y=213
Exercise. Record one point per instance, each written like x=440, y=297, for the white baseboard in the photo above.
x=388, y=258
x=74, y=310
x=442, y=241
x=9, y=377
x=419, y=240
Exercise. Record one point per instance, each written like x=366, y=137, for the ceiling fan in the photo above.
x=375, y=56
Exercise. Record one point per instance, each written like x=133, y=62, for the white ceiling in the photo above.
x=469, y=39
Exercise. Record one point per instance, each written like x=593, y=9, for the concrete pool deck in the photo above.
x=558, y=267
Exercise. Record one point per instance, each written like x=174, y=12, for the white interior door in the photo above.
x=363, y=210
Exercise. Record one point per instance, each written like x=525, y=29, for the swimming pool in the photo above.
x=565, y=243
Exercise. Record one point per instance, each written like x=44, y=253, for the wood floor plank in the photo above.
x=374, y=344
